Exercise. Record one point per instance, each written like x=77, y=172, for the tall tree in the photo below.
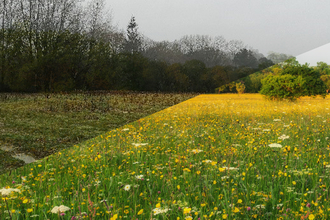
x=133, y=38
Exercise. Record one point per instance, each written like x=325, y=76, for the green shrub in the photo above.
x=312, y=84
x=279, y=87
x=292, y=82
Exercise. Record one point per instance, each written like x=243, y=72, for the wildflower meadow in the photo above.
x=211, y=157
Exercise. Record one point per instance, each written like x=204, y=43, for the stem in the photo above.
x=8, y=209
x=105, y=202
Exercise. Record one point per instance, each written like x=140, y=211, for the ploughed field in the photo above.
x=210, y=157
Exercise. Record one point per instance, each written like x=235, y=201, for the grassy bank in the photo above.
x=39, y=125
x=211, y=157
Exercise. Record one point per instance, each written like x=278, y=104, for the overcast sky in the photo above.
x=285, y=26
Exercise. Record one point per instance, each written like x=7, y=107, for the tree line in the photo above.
x=299, y=79
x=62, y=45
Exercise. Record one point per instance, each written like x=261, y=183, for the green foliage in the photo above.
x=179, y=81
x=326, y=80
x=240, y=87
x=245, y=58
x=253, y=82
x=292, y=82
x=194, y=69
x=323, y=68
x=67, y=61
x=227, y=88
x=62, y=53
x=265, y=63
x=278, y=87
x=312, y=84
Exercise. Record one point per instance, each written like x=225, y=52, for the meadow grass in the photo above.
x=210, y=157
x=42, y=124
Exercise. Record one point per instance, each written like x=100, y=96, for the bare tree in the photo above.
x=212, y=51
x=98, y=20
x=233, y=47
x=278, y=57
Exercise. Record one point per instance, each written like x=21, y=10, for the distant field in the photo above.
x=38, y=125
x=210, y=157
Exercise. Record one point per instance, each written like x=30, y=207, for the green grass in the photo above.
x=42, y=124
x=210, y=157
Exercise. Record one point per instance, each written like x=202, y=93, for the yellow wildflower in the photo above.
x=311, y=217
x=25, y=201
x=186, y=210
x=115, y=216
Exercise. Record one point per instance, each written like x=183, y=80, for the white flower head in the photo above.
x=6, y=192
x=196, y=151
x=139, y=144
x=60, y=209
x=160, y=210
x=275, y=145
x=127, y=187
x=157, y=211
x=260, y=207
x=139, y=177
x=97, y=183
x=283, y=137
